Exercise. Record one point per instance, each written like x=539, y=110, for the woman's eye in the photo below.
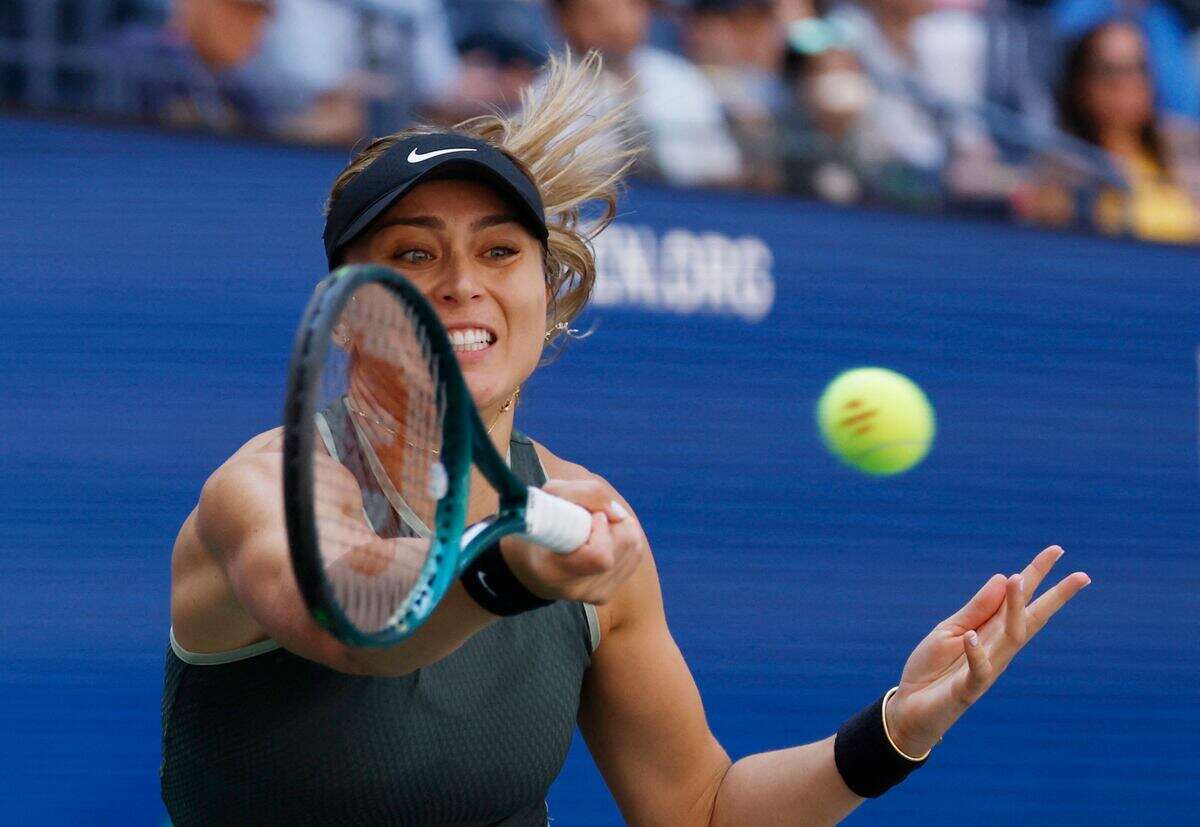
x=414, y=256
x=501, y=252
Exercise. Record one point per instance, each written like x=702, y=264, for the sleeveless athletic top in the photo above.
x=262, y=736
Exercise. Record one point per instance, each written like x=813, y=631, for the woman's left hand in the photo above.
x=964, y=654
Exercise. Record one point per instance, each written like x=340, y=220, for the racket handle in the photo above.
x=555, y=523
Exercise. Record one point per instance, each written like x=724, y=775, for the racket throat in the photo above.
x=484, y=534
x=471, y=537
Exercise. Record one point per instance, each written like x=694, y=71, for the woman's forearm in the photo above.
x=800, y=785
x=455, y=620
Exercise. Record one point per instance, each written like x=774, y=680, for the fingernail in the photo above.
x=972, y=638
x=1061, y=552
x=1088, y=583
x=619, y=510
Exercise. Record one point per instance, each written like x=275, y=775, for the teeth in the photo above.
x=468, y=339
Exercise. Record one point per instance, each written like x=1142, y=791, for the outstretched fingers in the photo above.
x=998, y=621
x=996, y=624
x=1054, y=599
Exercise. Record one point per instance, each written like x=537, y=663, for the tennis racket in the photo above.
x=380, y=435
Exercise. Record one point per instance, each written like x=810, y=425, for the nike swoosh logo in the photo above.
x=415, y=157
x=483, y=583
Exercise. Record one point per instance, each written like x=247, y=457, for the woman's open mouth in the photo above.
x=470, y=339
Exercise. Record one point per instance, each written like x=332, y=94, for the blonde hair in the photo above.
x=575, y=143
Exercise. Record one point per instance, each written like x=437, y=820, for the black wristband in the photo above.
x=865, y=757
x=492, y=585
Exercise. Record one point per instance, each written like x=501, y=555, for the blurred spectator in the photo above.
x=502, y=44
x=819, y=132
x=740, y=44
x=689, y=140
x=930, y=65
x=62, y=69
x=1107, y=99
x=302, y=69
x=823, y=136
x=917, y=103
x=925, y=71
x=1021, y=59
x=498, y=68
x=1176, y=83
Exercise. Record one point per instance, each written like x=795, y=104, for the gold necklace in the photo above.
x=507, y=406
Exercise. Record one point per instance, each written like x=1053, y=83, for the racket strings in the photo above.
x=370, y=575
x=383, y=370
x=374, y=581
x=410, y=448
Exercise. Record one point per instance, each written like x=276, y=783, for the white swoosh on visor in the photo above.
x=415, y=157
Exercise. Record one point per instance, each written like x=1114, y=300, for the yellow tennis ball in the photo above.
x=876, y=420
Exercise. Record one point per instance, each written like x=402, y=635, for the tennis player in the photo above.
x=268, y=719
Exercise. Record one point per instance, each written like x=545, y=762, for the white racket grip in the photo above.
x=553, y=522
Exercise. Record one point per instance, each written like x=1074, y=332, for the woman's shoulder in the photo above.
x=260, y=448
x=270, y=440
x=558, y=468
x=240, y=489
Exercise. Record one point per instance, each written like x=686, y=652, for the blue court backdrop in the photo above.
x=150, y=287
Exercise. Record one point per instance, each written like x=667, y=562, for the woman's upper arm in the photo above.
x=240, y=523
x=642, y=716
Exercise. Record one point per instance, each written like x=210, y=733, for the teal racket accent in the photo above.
x=380, y=435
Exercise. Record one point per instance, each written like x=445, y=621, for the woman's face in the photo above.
x=613, y=27
x=461, y=244
x=837, y=91
x=1116, y=88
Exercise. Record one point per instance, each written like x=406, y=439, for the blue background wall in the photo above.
x=150, y=285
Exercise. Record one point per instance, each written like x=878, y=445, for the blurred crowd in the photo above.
x=1065, y=113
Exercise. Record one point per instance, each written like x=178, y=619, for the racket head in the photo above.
x=374, y=375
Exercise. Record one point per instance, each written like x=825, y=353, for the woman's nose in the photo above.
x=458, y=284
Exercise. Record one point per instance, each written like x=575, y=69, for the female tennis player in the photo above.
x=269, y=719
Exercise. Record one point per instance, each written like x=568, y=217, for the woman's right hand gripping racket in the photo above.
x=380, y=435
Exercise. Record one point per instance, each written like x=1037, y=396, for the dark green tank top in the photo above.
x=262, y=736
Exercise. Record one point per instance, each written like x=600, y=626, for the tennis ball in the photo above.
x=876, y=420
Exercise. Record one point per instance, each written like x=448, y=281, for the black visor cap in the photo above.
x=405, y=164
